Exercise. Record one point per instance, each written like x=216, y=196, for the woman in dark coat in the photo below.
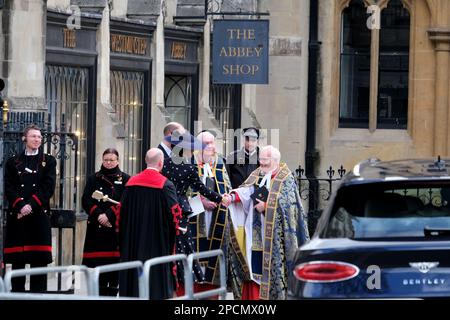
x=101, y=243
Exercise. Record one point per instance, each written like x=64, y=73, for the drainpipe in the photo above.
x=311, y=154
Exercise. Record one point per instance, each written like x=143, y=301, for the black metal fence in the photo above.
x=317, y=191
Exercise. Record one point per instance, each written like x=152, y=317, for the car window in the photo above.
x=386, y=211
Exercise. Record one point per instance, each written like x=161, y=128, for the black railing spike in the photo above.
x=63, y=123
x=341, y=171
x=299, y=171
x=330, y=172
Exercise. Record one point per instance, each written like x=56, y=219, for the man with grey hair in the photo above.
x=149, y=219
x=267, y=221
x=210, y=229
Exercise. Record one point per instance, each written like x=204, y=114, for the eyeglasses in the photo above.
x=34, y=136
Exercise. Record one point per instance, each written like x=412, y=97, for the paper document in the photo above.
x=196, y=206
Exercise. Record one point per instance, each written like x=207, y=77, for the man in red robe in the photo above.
x=149, y=219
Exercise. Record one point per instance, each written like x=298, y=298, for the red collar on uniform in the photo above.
x=149, y=179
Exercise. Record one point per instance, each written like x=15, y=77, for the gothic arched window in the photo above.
x=374, y=65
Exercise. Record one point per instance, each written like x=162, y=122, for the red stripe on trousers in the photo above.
x=37, y=248
x=105, y=254
x=27, y=248
x=13, y=250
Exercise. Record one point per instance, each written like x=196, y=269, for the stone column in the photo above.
x=24, y=59
x=204, y=98
x=441, y=38
x=107, y=121
x=159, y=62
x=439, y=33
x=159, y=117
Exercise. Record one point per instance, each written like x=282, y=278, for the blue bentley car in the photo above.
x=385, y=234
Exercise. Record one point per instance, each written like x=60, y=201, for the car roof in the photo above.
x=374, y=170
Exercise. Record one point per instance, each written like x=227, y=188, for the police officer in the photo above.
x=29, y=184
x=101, y=244
x=241, y=163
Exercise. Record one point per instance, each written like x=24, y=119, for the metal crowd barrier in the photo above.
x=45, y=270
x=2, y=286
x=119, y=267
x=222, y=290
x=8, y=295
x=166, y=259
x=92, y=277
x=50, y=296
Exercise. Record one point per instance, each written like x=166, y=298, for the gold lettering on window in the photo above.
x=69, y=38
x=178, y=51
x=128, y=44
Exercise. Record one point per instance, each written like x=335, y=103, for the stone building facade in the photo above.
x=108, y=72
x=408, y=76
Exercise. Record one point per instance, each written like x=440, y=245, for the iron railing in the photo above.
x=317, y=191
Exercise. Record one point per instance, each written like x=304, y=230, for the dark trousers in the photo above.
x=38, y=283
x=108, y=284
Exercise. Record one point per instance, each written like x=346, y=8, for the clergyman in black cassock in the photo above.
x=149, y=218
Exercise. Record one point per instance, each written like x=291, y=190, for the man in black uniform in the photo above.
x=184, y=175
x=29, y=185
x=241, y=163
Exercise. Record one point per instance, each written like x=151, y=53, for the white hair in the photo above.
x=273, y=152
x=205, y=134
